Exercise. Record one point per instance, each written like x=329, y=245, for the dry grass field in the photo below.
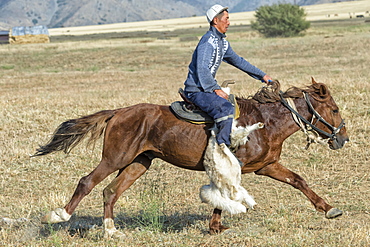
x=43, y=85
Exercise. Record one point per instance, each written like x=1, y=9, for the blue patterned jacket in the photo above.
x=212, y=49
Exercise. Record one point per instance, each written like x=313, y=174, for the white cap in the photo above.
x=214, y=11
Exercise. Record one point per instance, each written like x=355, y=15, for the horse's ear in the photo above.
x=313, y=80
x=323, y=91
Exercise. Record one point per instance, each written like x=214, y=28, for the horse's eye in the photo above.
x=335, y=111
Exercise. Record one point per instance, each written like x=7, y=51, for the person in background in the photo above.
x=201, y=87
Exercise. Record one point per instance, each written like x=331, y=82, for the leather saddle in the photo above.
x=189, y=112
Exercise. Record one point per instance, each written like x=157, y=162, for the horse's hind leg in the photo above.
x=84, y=187
x=125, y=178
x=215, y=226
x=280, y=173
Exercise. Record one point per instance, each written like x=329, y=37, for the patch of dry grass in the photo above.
x=45, y=84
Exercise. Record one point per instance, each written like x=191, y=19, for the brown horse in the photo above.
x=135, y=135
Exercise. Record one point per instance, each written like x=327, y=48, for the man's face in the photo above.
x=222, y=24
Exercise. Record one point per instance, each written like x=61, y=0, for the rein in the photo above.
x=309, y=128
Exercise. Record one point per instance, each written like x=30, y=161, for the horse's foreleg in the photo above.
x=84, y=187
x=125, y=178
x=215, y=226
x=280, y=173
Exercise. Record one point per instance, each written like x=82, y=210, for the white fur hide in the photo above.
x=224, y=191
x=239, y=135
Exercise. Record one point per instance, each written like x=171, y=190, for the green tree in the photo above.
x=280, y=20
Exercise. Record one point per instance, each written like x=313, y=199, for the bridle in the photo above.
x=309, y=128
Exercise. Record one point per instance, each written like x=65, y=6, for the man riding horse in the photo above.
x=134, y=136
x=201, y=87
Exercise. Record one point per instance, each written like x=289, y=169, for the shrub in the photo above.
x=284, y=20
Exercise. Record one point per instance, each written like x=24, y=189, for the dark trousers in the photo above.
x=220, y=109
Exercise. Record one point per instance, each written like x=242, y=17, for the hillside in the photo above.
x=70, y=13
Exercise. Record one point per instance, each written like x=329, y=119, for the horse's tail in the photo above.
x=71, y=132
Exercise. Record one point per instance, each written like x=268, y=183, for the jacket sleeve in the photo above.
x=234, y=59
x=204, y=58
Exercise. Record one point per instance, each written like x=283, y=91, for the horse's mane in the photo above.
x=271, y=93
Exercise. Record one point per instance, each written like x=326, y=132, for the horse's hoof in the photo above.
x=56, y=216
x=110, y=230
x=114, y=233
x=218, y=230
x=333, y=213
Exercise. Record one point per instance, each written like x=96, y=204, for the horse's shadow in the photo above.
x=82, y=226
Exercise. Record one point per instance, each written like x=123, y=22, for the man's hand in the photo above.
x=267, y=79
x=221, y=93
